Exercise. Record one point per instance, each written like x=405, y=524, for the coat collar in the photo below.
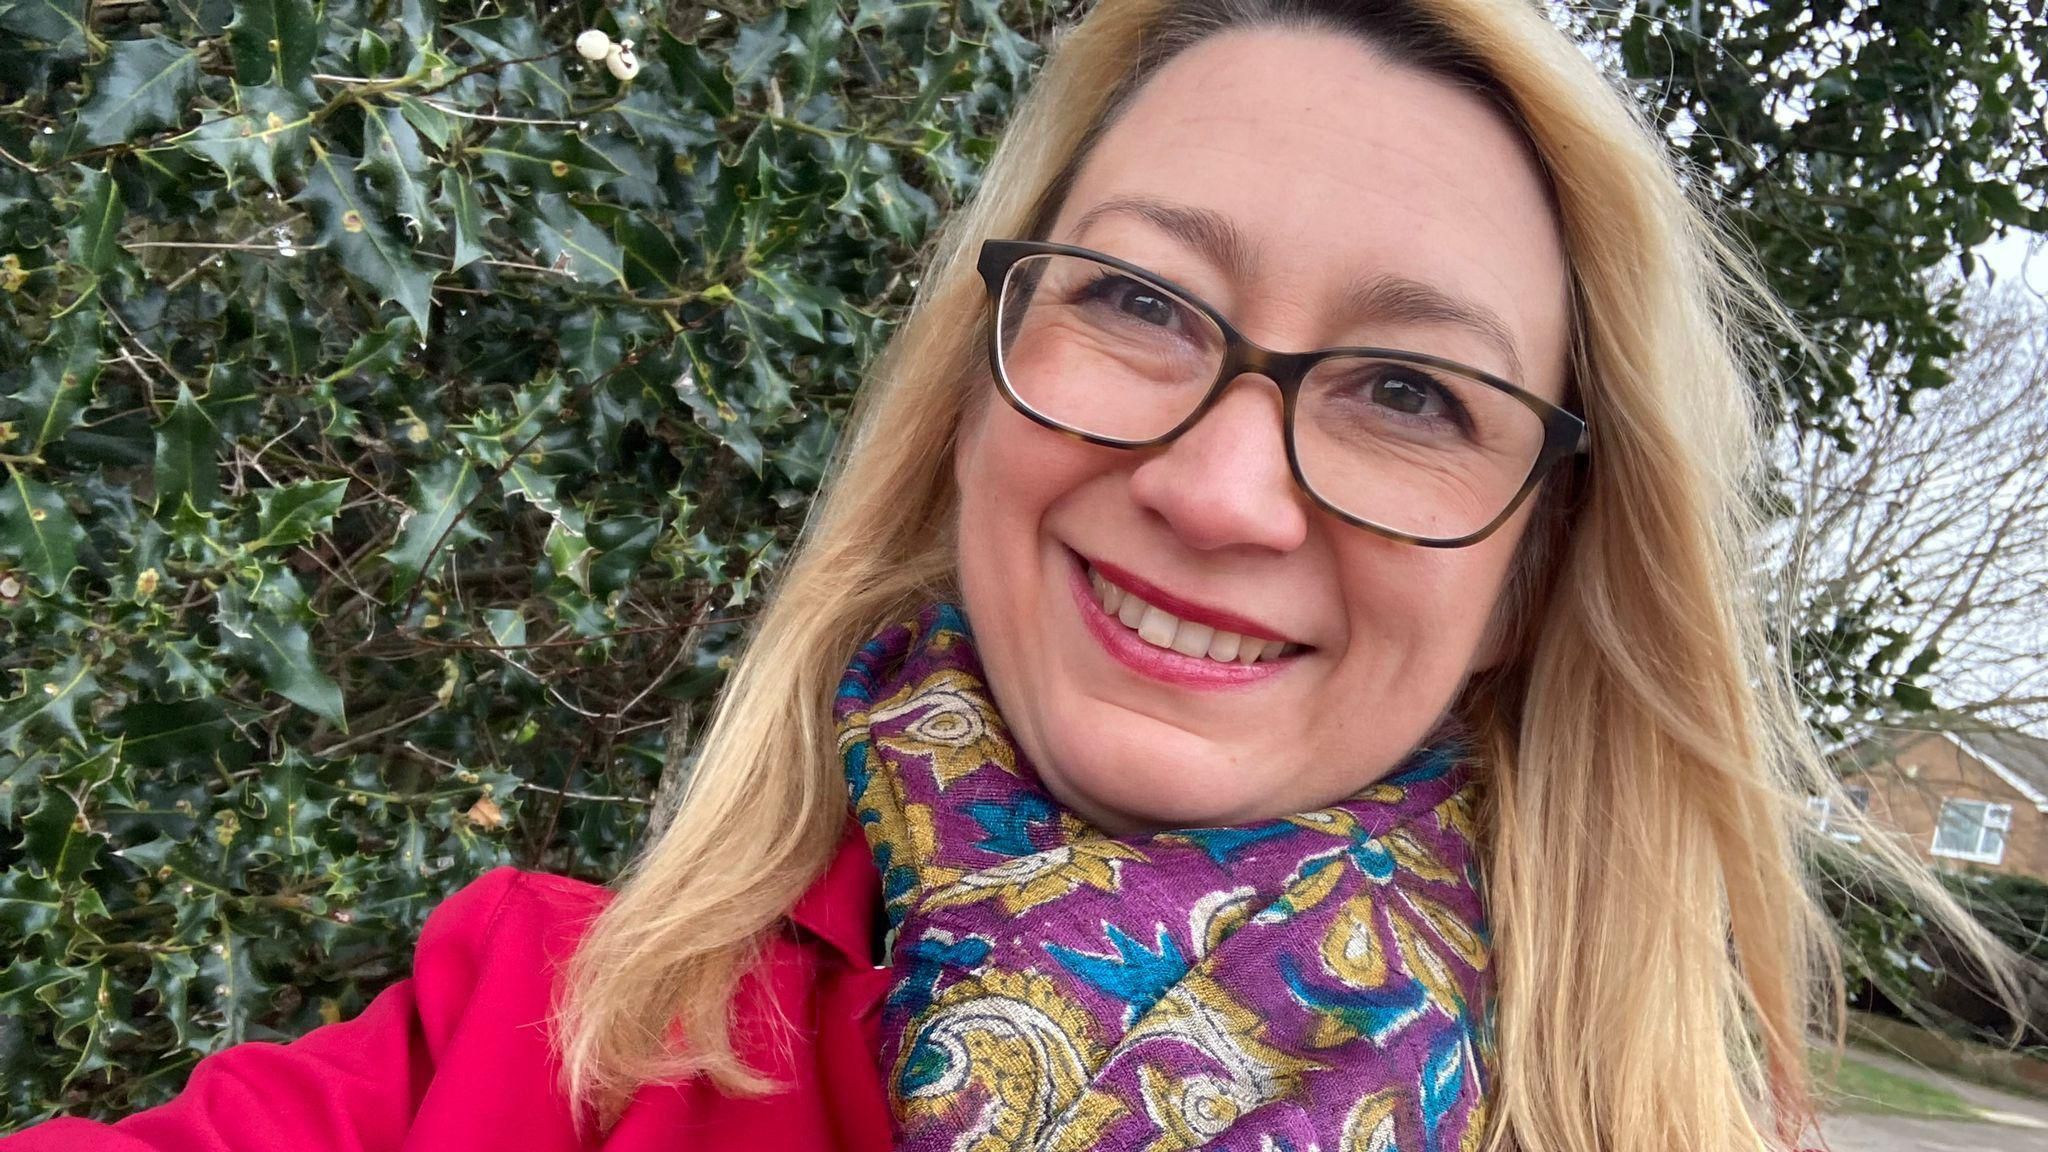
x=842, y=906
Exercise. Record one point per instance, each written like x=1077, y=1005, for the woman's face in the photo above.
x=1330, y=166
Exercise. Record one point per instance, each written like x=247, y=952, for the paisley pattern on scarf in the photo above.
x=1316, y=981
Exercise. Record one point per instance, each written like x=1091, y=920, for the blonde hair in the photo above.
x=1659, y=958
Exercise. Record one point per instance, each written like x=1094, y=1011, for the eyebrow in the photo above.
x=1398, y=299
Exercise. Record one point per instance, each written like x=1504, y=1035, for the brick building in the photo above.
x=1964, y=800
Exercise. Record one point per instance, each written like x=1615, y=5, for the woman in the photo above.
x=1247, y=746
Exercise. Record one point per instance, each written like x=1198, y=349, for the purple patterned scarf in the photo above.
x=1308, y=982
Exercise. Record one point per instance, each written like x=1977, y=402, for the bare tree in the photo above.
x=1915, y=564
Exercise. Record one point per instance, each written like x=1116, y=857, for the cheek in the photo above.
x=1433, y=606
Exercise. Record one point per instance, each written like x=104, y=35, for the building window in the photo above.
x=1972, y=830
x=1822, y=808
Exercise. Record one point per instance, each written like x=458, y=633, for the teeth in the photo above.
x=1162, y=629
x=1223, y=646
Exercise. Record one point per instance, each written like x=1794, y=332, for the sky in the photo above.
x=2017, y=257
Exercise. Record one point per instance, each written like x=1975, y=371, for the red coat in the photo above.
x=457, y=1056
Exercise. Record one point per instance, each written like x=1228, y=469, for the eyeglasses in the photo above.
x=1411, y=446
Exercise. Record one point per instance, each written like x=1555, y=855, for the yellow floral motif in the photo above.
x=1369, y=1127
x=1416, y=859
x=1426, y=966
x=953, y=724
x=1476, y=1124
x=1191, y=1112
x=1029, y=881
x=1201, y=1013
x=1451, y=929
x=1218, y=914
x=1457, y=812
x=1013, y=1043
x=1351, y=948
x=1335, y=821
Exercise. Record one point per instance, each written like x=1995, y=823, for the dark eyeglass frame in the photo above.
x=1564, y=433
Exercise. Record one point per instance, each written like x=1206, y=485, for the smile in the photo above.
x=1155, y=634
x=1161, y=629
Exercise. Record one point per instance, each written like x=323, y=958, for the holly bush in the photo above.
x=400, y=415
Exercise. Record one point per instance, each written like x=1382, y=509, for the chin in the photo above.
x=1151, y=794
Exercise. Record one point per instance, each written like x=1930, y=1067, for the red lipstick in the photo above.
x=1162, y=664
x=1185, y=609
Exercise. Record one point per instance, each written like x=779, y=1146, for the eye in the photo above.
x=1135, y=299
x=1404, y=396
x=1411, y=394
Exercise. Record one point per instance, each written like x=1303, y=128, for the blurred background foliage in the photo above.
x=401, y=417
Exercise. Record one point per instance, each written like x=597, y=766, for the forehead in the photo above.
x=1331, y=169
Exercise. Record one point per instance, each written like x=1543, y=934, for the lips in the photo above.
x=1147, y=658
x=1162, y=629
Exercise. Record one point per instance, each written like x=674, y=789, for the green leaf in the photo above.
x=627, y=541
x=57, y=839
x=355, y=229
x=374, y=352
x=290, y=340
x=95, y=231
x=652, y=261
x=144, y=84
x=393, y=158
x=59, y=24
x=29, y=905
x=296, y=512
x=38, y=531
x=280, y=650
x=658, y=120
x=753, y=56
x=187, y=455
x=553, y=161
x=458, y=196
x=269, y=129
x=570, y=242
x=60, y=380
x=436, y=521
x=432, y=123
x=49, y=697
x=592, y=343
x=274, y=41
x=289, y=820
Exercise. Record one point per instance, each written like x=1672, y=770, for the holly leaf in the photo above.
x=50, y=696
x=144, y=84
x=569, y=241
x=547, y=161
x=274, y=41
x=393, y=158
x=29, y=905
x=280, y=650
x=659, y=119
x=59, y=24
x=296, y=512
x=459, y=199
x=356, y=230
x=57, y=840
x=270, y=125
x=435, y=521
x=60, y=379
x=38, y=530
x=95, y=231
x=187, y=448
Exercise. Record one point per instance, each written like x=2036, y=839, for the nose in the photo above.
x=1225, y=481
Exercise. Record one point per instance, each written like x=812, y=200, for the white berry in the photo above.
x=593, y=44
x=622, y=63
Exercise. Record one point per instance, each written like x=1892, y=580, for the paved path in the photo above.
x=2015, y=1124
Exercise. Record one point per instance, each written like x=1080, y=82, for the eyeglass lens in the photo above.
x=1417, y=449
